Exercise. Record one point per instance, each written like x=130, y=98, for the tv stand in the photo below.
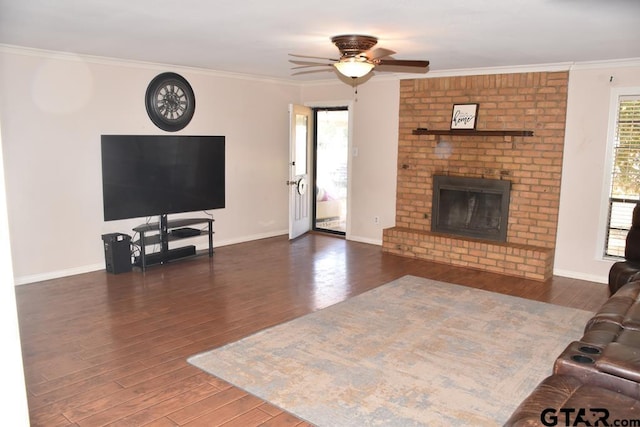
x=162, y=236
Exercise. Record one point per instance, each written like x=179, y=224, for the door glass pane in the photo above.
x=301, y=144
x=332, y=144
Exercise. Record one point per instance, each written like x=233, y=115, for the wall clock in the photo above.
x=170, y=101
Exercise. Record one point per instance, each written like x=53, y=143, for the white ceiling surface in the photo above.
x=255, y=36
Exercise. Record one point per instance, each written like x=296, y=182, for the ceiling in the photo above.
x=255, y=36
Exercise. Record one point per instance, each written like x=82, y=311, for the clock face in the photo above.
x=170, y=102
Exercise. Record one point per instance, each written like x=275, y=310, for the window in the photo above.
x=624, y=192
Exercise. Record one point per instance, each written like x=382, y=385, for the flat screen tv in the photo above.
x=145, y=175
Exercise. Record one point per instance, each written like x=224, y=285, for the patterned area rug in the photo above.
x=411, y=352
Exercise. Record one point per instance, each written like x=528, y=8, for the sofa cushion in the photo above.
x=602, y=333
x=620, y=360
x=621, y=273
x=632, y=243
x=622, y=308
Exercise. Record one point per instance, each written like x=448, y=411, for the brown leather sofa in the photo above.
x=564, y=400
x=597, y=377
x=626, y=271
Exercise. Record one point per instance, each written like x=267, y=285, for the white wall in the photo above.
x=581, y=218
x=54, y=108
x=374, y=143
x=13, y=394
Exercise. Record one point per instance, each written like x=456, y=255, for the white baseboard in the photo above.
x=581, y=276
x=243, y=239
x=377, y=242
x=23, y=280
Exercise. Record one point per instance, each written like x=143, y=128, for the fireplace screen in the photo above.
x=471, y=207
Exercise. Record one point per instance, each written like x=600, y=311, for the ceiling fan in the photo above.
x=357, y=57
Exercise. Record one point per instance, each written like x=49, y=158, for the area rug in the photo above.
x=412, y=352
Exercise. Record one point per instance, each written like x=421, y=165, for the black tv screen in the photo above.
x=145, y=175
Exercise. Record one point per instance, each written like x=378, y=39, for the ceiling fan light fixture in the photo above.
x=357, y=57
x=354, y=67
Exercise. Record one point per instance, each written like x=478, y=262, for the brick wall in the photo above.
x=525, y=101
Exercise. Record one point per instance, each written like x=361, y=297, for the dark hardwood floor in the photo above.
x=103, y=349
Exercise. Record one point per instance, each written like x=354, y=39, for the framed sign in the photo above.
x=464, y=116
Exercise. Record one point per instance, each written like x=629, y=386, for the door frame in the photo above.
x=314, y=143
x=353, y=152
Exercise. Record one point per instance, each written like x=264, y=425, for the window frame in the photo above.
x=614, y=105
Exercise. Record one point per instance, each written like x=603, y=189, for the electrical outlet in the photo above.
x=376, y=220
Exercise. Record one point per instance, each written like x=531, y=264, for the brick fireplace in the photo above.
x=532, y=164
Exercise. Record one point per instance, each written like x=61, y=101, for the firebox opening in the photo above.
x=471, y=207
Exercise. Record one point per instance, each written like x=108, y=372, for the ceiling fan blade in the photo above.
x=293, y=61
x=298, y=73
x=313, y=57
x=403, y=62
x=311, y=65
x=378, y=53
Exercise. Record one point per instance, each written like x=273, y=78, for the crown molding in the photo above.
x=102, y=60
x=613, y=63
x=532, y=68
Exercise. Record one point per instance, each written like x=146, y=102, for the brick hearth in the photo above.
x=524, y=101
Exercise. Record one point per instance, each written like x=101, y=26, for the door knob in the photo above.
x=301, y=183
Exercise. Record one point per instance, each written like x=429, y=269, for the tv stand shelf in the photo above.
x=162, y=235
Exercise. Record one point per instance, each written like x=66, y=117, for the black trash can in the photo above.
x=117, y=252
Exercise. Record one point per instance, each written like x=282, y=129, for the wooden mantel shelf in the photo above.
x=472, y=132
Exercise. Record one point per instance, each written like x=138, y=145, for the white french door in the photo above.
x=300, y=127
